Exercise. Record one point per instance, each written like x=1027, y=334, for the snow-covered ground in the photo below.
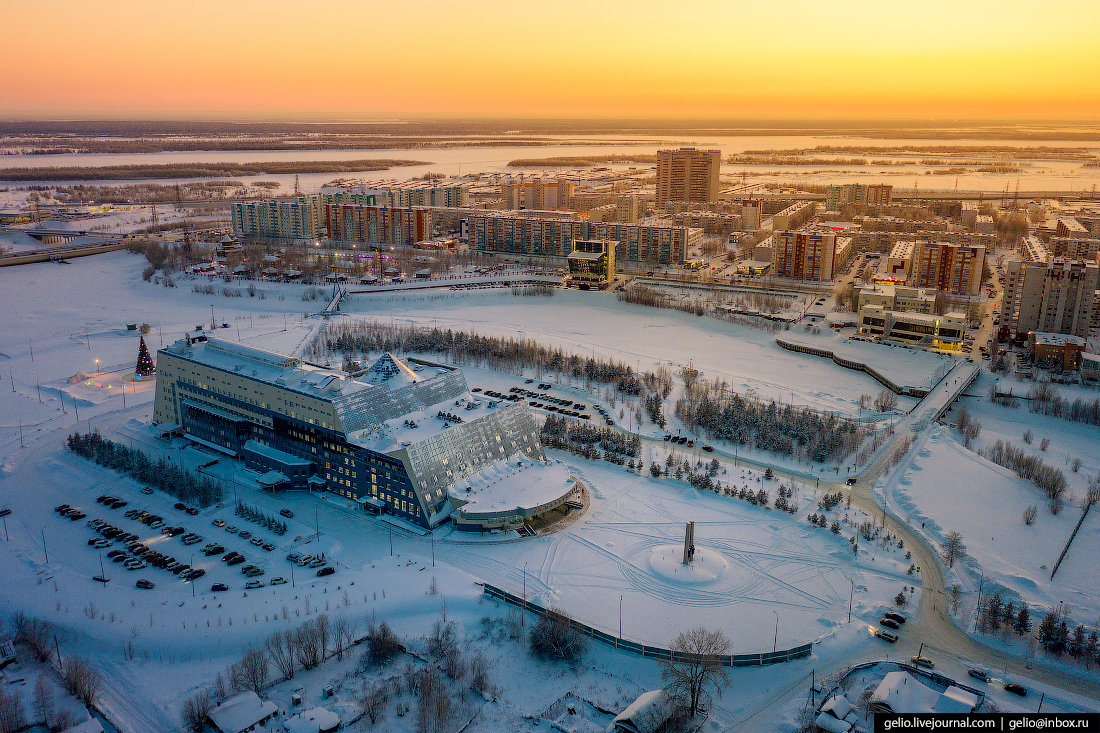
x=158, y=646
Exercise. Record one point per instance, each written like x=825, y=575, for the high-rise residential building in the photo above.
x=793, y=216
x=1075, y=248
x=378, y=224
x=687, y=174
x=752, y=213
x=857, y=194
x=953, y=268
x=292, y=219
x=401, y=193
x=1056, y=296
x=663, y=245
x=809, y=255
x=539, y=194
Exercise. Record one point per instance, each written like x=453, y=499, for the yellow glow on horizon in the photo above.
x=353, y=59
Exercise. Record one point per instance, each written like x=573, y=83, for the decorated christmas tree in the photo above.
x=144, y=366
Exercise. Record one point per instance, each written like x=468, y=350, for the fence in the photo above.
x=856, y=365
x=732, y=660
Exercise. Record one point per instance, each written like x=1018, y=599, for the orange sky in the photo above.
x=364, y=59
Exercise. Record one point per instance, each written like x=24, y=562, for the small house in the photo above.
x=242, y=713
x=645, y=715
x=317, y=720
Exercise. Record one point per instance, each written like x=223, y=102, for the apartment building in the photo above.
x=793, y=216
x=1034, y=249
x=857, y=194
x=541, y=194
x=378, y=225
x=1056, y=296
x=293, y=219
x=687, y=174
x=752, y=213
x=943, y=266
x=1075, y=248
x=665, y=245
x=807, y=255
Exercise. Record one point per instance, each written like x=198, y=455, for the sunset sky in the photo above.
x=355, y=59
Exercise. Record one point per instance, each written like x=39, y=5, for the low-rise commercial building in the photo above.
x=592, y=264
x=1057, y=348
x=925, y=329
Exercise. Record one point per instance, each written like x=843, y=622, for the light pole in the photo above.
x=97, y=366
x=192, y=579
x=851, y=594
x=620, y=617
x=776, y=639
x=44, y=545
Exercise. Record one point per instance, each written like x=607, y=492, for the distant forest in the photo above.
x=197, y=170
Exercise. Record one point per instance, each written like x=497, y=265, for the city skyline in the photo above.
x=793, y=59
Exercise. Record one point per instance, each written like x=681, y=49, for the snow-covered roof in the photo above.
x=644, y=715
x=838, y=706
x=826, y=722
x=512, y=485
x=317, y=720
x=91, y=725
x=241, y=712
x=901, y=692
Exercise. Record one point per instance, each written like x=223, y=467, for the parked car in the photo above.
x=244, y=534
x=326, y=571
x=294, y=556
x=146, y=490
x=895, y=616
x=253, y=584
x=237, y=560
x=257, y=541
x=318, y=563
x=218, y=587
x=1016, y=689
x=136, y=564
x=214, y=550
x=231, y=529
x=229, y=556
x=179, y=505
x=103, y=498
x=978, y=674
x=849, y=482
x=923, y=662
x=889, y=623
x=886, y=636
x=278, y=581
x=191, y=510
x=218, y=522
x=286, y=513
x=143, y=583
x=268, y=546
x=101, y=543
x=115, y=553
x=75, y=516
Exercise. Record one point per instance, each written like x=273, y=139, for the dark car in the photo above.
x=849, y=482
x=118, y=504
x=895, y=616
x=101, y=499
x=179, y=505
x=889, y=623
x=191, y=510
x=143, y=583
x=77, y=515
x=229, y=556
x=219, y=586
x=1016, y=689
x=215, y=550
x=978, y=674
x=236, y=560
x=121, y=558
x=115, y=553
x=326, y=571
x=286, y=513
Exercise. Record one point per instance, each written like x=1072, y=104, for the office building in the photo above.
x=662, y=245
x=389, y=439
x=924, y=329
x=1056, y=296
x=687, y=174
x=592, y=264
x=943, y=266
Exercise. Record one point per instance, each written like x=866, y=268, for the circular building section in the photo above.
x=512, y=492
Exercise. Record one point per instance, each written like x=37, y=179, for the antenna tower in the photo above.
x=297, y=189
x=156, y=220
x=179, y=199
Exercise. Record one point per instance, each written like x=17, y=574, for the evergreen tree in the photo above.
x=1048, y=630
x=1022, y=624
x=1092, y=643
x=144, y=366
x=1077, y=642
x=993, y=611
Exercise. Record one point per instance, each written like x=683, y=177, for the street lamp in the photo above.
x=97, y=366
x=851, y=594
x=776, y=639
x=192, y=579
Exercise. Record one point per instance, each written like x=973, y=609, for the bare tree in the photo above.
x=952, y=548
x=12, y=715
x=35, y=634
x=555, y=636
x=886, y=401
x=441, y=642
x=864, y=401
x=372, y=701
x=307, y=643
x=696, y=665
x=324, y=634
x=382, y=644
x=433, y=704
x=251, y=673
x=343, y=633
x=196, y=710
x=479, y=674
x=454, y=664
x=43, y=699
x=280, y=647
x=1029, y=515
x=82, y=680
